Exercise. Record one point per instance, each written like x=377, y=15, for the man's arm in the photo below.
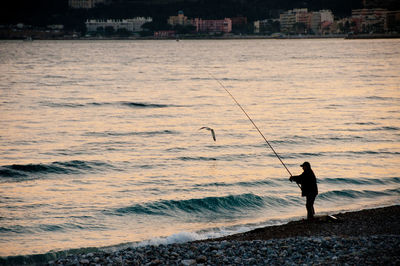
x=296, y=178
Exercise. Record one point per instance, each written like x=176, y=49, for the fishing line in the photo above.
x=251, y=120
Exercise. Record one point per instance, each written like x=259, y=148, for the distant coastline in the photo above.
x=223, y=37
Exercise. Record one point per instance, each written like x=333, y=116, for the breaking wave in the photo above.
x=230, y=205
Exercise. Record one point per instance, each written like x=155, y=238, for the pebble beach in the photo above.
x=367, y=237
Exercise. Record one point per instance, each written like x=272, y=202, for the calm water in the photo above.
x=100, y=142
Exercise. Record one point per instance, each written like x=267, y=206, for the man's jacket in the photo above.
x=308, y=183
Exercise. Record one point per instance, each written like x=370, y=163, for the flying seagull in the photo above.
x=212, y=131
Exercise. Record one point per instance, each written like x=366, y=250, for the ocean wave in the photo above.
x=208, y=208
x=241, y=184
x=121, y=103
x=388, y=128
x=17, y=229
x=228, y=157
x=301, y=155
x=374, y=152
x=361, y=181
x=361, y=123
x=381, y=98
x=69, y=167
x=357, y=194
x=54, y=77
x=214, y=205
x=133, y=133
x=371, y=129
x=144, y=105
x=338, y=154
x=199, y=158
x=63, y=105
x=30, y=228
x=340, y=138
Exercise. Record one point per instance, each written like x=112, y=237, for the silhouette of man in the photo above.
x=308, y=185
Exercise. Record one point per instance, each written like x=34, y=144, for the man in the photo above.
x=309, y=189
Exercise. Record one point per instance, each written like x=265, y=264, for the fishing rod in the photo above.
x=251, y=120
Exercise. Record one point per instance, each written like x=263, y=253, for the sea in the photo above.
x=101, y=146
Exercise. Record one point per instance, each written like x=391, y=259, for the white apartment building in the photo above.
x=133, y=24
x=326, y=15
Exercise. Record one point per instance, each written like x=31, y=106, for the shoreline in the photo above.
x=376, y=221
x=369, y=236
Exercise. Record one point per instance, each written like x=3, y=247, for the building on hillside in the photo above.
x=133, y=25
x=257, y=25
x=393, y=21
x=287, y=19
x=302, y=16
x=266, y=26
x=318, y=20
x=315, y=22
x=213, y=26
x=343, y=25
x=327, y=27
x=300, y=19
x=85, y=4
x=370, y=20
x=296, y=17
x=326, y=15
x=327, y=22
x=181, y=19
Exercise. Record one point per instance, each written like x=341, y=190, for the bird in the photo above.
x=212, y=132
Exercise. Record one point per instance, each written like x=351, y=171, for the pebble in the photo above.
x=382, y=249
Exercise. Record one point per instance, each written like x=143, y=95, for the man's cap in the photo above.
x=305, y=164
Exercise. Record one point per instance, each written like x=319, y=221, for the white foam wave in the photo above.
x=184, y=237
x=181, y=237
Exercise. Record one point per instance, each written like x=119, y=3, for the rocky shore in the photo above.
x=372, y=250
x=367, y=237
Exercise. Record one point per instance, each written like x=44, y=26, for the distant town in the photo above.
x=294, y=23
